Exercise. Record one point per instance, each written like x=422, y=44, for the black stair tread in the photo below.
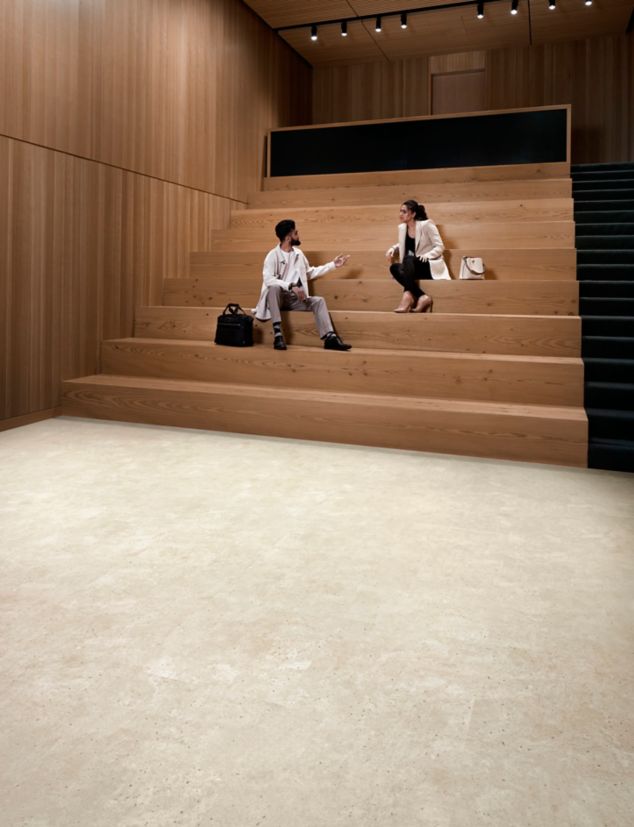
x=600, y=166
x=611, y=455
x=613, y=271
x=620, y=386
x=611, y=413
x=615, y=227
x=599, y=204
x=603, y=186
x=616, y=340
x=607, y=360
x=604, y=216
x=625, y=242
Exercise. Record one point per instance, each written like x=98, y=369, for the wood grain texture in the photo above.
x=507, y=235
x=129, y=129
x=420, y=177
x=556, y=264
x=595, y=75
x=375, y=215
x=534, y=298
x=424, y=193
x=519, y=432
x=483, y=377
x=86, y=243
x=182, y=91
x=458, y=333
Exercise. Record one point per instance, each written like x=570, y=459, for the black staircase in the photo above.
x=604, y=215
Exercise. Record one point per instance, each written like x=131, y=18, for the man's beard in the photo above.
x=295, y=242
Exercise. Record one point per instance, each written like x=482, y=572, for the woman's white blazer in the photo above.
x=428, y=245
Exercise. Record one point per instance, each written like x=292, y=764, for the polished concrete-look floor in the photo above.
x=223, y=630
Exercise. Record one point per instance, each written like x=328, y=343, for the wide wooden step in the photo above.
x=502, y=235
x=461, y=333
x=505, y=265
x=484, y=377
x=539, y=298
x=518, y=432
x=348, y=219
x=421, y=177
x=427, y=193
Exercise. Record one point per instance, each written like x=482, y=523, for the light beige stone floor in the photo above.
x=214, y=629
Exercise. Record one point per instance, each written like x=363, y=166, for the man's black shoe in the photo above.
x=279, y=343
x=335, y=343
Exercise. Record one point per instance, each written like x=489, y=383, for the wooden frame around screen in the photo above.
x=566, y=106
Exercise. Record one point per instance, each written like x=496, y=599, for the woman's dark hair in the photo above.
x=284, y=227
x=416, y=208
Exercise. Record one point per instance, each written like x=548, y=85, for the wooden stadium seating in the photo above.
x=493, y=371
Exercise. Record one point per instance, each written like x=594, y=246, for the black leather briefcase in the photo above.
x=234, y=327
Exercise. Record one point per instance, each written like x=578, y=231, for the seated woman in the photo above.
x=419, y=242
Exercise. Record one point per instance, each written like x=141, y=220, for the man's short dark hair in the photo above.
x=284, y=227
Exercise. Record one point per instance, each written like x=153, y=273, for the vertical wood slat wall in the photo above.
x=127, y=131
x=595, y=75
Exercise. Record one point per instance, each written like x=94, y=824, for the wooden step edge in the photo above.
x=441, y=355
x=565, y=180
x=380, y=315
x=561, y=201
x=567, y=413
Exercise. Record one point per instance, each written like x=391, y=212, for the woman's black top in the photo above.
x=410, y=245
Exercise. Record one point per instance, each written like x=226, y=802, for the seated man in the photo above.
x=285, y=274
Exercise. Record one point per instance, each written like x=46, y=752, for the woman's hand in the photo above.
x=389, y=253
x=340, y=260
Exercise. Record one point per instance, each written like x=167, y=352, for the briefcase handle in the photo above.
x=233, y=309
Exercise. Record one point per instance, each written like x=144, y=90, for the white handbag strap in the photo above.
x=475, y=272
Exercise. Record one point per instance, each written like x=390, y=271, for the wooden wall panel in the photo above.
x=595, y=75
x=365, y=91
x=127, y=131
x=182, y=90
x=85, y=243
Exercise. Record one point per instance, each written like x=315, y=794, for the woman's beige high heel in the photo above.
x=423, y=304
x=407, y=302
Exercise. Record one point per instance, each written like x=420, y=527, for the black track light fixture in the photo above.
x=403, y=20
x=344, y=28
x=552, y=4
x=514, y=5
x=588, y=2
x=377, y=25
x=480, y=11
x=313, y=32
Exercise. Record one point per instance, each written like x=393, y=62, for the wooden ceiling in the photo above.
x=438, y=31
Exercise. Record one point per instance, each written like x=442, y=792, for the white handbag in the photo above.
x=438, y=268
x=471, y=268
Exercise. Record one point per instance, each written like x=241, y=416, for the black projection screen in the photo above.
x=527, y=136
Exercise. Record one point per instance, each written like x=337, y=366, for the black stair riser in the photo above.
x=607, y=289
x=613, y=396
x=604, y=228
x=603, y=186
x=607, y=326
x=607, y=347
x=608, y=370
x=612, y=196
x=605, y=220
x=609, y=424
x=612, y=455
x=603, y=206
x=606, y=306
x=605, y=257
x=602, y=166
x=609, y=242
x=610, y=272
